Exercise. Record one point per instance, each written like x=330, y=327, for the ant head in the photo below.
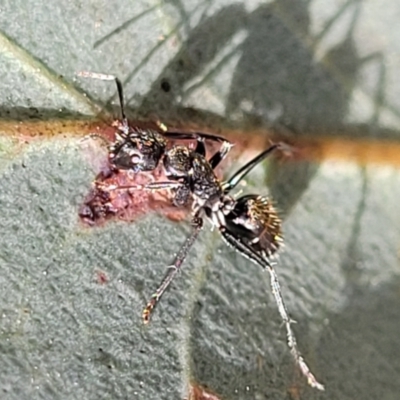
x=253, y=220
x=136, y=149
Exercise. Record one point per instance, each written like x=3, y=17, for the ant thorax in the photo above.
x=194, y=170
x=177, y=162
x=206, y=185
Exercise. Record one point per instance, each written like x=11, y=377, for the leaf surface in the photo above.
x=71, y=297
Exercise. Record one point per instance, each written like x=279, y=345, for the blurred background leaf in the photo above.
x=296, y=67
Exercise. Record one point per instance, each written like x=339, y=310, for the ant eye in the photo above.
x=136, y=159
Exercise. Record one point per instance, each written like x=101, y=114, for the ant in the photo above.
x=249, y=224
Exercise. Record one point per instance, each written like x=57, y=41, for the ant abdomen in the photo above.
x=256, y=222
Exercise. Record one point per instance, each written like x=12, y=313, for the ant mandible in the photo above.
x=249, y=223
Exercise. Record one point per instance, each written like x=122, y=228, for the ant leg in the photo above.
x=149, y=186
x=173, y=269
x=221, y=154
x=200, y=147
x=194, y=135
x=242, y=172
x=248, y=252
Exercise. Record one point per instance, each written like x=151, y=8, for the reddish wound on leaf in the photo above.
x=101, y=277
x=198, y=392
x=106, y=200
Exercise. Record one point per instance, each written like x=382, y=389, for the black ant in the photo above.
x=249, y=223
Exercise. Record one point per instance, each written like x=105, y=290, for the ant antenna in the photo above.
x=239, y=175
x=106, y=77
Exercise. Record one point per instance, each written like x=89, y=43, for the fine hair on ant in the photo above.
x=250, y=223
